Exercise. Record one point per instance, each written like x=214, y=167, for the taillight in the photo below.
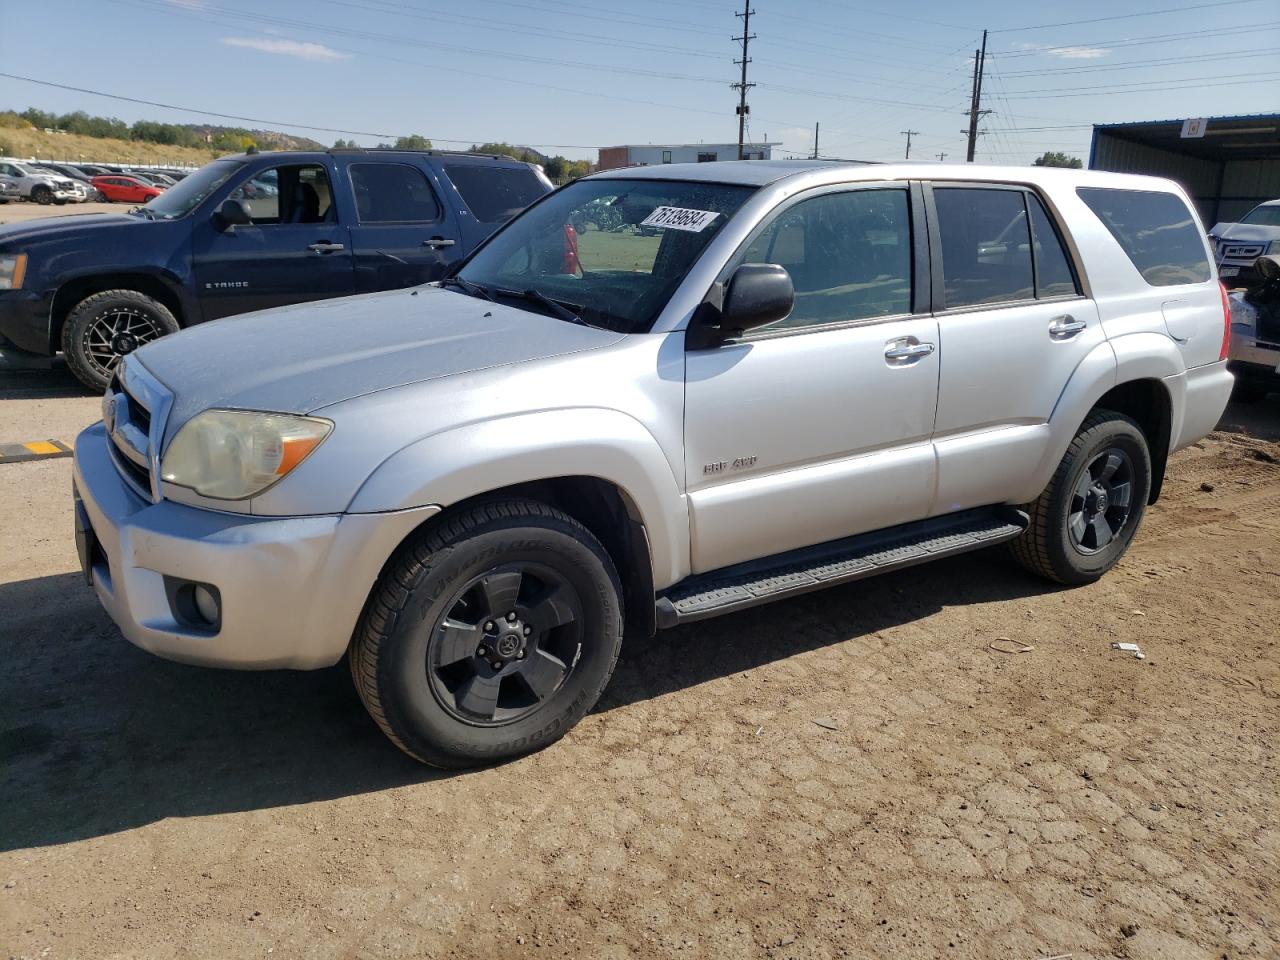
x=1226, y=322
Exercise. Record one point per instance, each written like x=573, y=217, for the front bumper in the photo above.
x=291, y=588
x=24, y=320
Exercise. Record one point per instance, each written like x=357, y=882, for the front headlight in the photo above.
x=13, y=267
x=234, y=454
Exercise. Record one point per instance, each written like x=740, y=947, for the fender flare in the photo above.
x=472, y=459
x=1123, y=359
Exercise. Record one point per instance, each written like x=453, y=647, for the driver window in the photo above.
x=849, y=256
x=289, y=194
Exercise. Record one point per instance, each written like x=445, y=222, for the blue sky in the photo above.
x=571, y=76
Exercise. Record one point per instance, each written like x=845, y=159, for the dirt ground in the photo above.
x=22, y=212
x=848, y=774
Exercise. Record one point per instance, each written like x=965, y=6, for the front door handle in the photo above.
x=1065, y=327
x=325, y=246
x=906, y=350
x=435, y=243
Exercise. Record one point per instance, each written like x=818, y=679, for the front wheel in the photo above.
x=103, y=328
x=42, y=196
x=1087, y=516
x=489, y=635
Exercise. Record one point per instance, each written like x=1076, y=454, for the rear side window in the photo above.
x=986, y=246
x=495, y=194
x=1156, y=231
x=393, y=193
x=1054, y=277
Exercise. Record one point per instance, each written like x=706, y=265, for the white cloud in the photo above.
x=1067, y=53
x=288, y=48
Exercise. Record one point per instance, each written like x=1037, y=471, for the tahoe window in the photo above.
x=495, y=194
x=191, y=190
x=849, y=256
x=393, y=193
x=1156, y=231
x=291, y=194
x=588, y=247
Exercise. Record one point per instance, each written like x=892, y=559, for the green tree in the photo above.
x=341, y=144
x=1056, y=158
x=414, y=142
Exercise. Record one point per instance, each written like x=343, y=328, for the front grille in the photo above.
x=134, y=410
x=1228, y=250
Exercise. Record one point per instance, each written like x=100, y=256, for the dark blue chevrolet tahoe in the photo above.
x=246, y=233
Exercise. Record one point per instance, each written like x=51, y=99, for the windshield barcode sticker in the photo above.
x=679, y=218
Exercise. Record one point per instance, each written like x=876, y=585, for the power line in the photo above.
x=1036, y=50
x=1126, y=16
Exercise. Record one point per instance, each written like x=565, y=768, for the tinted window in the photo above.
x=849, y=256
x=986, y=247
x=1156, y=231
x=293, y=194
x=393, y=193
x=1053, y=268
x=495, y=194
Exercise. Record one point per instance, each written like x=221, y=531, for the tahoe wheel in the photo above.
x=42, y=195
x=490, y=634
x=1087, y=516
x=104, y=328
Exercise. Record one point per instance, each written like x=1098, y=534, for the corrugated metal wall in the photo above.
x=1245, y=183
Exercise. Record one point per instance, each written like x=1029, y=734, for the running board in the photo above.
x=839, y=561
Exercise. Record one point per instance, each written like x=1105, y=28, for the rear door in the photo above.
x=296, y=249
x=401, y=233
x=1013, y=326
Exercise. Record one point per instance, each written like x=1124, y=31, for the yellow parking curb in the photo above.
x=33, y=450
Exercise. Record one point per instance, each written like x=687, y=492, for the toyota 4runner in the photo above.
x=741, y=382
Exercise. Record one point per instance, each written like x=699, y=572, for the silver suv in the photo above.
x=42, y=186
x=657, y=395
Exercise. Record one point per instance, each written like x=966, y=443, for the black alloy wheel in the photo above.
x=508, y=641
x=114, y=334
x=1101, y=501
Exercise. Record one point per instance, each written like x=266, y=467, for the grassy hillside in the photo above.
x=31, y=143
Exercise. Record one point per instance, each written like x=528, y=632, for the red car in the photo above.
x=119, y=188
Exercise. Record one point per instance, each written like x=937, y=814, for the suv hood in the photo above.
x=300, y=358
x=1256, y=232
x=61, y=227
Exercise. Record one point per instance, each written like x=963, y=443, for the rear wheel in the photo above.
x=1087, y=516
x=104, y=328
x=489, y=635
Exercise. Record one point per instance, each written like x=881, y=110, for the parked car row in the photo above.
x=59, y=183
x=245, y=233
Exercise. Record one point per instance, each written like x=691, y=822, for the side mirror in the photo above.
x=233, y=213
x=757, y=293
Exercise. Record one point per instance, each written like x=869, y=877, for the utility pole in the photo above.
x=975, y=101
x=941, y=157
x=909, y=134
x=815, y=141
x=742, y=86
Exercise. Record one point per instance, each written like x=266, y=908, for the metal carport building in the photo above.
x=1228, y=164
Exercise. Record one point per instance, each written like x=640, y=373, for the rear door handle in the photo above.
x=325, y=246
x=906, y=350
x=1065, y=327
x=435, y=243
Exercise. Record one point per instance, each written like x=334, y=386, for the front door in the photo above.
x=403, y=234
x=1015, y=326
x=296, y=249
x=818, y=426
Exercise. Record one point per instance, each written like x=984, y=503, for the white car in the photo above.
x=41, y=185
x=1239, y=245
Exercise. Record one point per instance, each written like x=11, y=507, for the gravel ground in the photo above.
x=20, y=212
x=848, y=774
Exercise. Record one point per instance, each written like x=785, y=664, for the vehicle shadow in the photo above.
x=97, y=736
x=17, y=383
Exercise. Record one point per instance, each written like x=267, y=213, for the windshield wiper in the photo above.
x=555, y=306
x=474, y=289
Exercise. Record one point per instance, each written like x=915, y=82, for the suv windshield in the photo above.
x=186, y=194
x=613, y=251
x=1267, y=216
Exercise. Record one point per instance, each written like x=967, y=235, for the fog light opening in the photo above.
x=196, y=606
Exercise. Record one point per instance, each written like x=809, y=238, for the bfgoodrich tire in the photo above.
x=1087, y=516
x=489, y=635
x=103, y=328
